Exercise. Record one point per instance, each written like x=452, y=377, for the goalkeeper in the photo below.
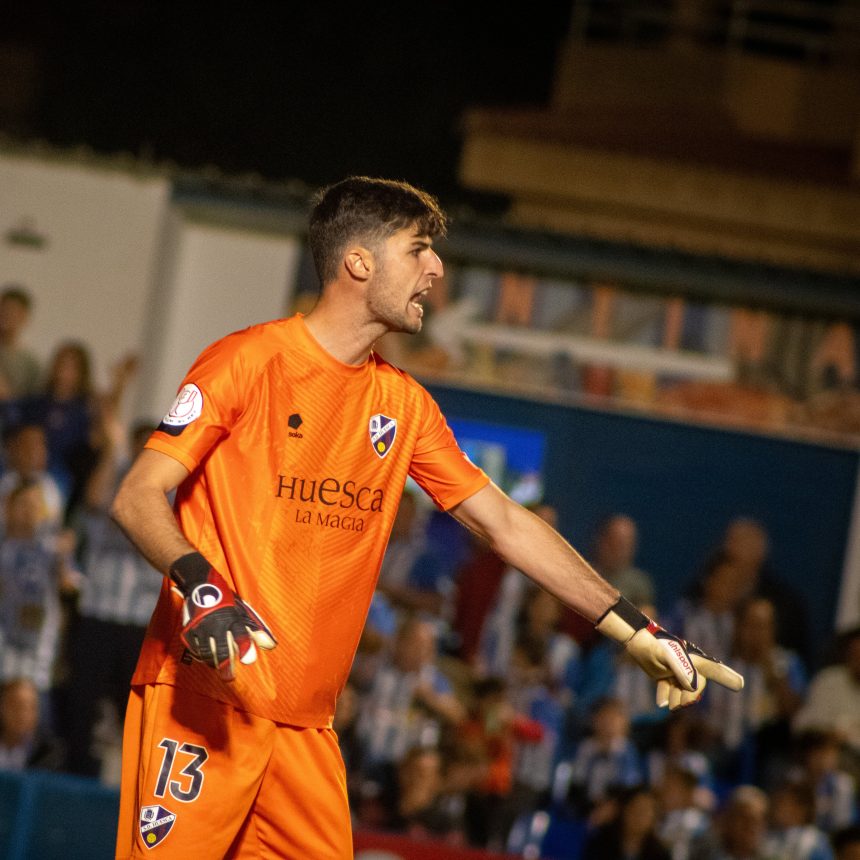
x=288, y=445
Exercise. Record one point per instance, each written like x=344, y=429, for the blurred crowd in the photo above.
x=479, y=711
x=483, y=712
x=75, y=597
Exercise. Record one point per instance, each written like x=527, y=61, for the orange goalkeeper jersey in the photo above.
x=297, y=466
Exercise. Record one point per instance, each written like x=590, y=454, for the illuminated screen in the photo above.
x=512, y=456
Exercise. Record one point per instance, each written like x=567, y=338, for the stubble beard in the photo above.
x=387, y=308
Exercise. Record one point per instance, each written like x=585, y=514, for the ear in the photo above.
x=359, y=262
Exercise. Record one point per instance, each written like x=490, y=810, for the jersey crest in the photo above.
x=382, y=432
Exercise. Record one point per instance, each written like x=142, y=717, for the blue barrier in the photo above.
x=56, y=817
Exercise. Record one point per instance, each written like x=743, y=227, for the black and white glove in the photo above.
x=680, y=668
x=218, y=627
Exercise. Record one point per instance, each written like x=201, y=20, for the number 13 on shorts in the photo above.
x=186, y=788
x=181, y=777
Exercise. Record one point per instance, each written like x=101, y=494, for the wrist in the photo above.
x=621, y=621
x=189, y=571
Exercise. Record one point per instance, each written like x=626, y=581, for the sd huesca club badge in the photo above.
x=155, y=823
x=382, y=432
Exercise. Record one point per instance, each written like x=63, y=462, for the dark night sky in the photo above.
x=311, y=91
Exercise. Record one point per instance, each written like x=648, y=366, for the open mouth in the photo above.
x=417, y=301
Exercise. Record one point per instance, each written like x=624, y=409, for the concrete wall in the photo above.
x=123, y=269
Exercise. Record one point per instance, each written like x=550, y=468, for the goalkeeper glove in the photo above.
x=680, y=668
x=217, y=625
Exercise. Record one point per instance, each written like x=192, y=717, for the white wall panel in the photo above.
x=92, y=278
x=215, y=280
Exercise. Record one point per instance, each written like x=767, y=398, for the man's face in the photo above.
x=19, y=712
x=744, y=828
x=610, y=723
x=25, y=512
x=406, y=266
x=757, y=629
x=616, y=545
x=28, y=453
x=13, y=316
x=415, y=647
x=746, y=543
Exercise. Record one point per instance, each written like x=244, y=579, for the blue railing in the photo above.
x=47, y=816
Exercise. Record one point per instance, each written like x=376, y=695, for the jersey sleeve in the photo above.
x=438, y=465
x=207, y=406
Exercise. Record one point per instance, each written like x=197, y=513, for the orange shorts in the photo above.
x=203, y=779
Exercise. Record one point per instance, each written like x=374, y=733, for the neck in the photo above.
x=341, y=332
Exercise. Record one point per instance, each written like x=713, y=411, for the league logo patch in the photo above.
x=382, y=432
x=186, y=408
x=155, y=823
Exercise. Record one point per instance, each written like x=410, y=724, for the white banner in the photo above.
x=848, y=612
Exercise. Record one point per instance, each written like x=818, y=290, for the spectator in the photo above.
x=491, y=733
x=794, y=836
x=540, y=619
x=119, y=590
x=345, y=724
x=709, y=618
x=376, y=639
x=747, y=545
x=500, y=625
x=754, y=726
x=615, y=548
x=742, y=827
x=833, y=701
x=478, y=582
x=633, y=835
x=409, y=704
x=34, y=569
x=534, y=692
x=682, y=731
x=19, y=368
x=412, y=576
x=684, y=826
x=605, y=759
x=614, y=556
x=423, y=809
x=25, y=742
x=835, y=790
x=26, y=451
x=465, y=771
x=606, y=670
x=65, y=409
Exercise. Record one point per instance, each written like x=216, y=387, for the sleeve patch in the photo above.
x=187, y=407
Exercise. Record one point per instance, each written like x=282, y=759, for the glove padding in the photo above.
x=217, y=625
x=680, y=668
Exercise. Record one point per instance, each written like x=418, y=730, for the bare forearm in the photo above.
x=531, y=546
x=413, y=599
x=444, y=705
x=101, y=480
x=527, y=543
x=146, y=517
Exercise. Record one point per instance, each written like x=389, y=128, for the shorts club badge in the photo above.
x=155, y=823
x=382, y=432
